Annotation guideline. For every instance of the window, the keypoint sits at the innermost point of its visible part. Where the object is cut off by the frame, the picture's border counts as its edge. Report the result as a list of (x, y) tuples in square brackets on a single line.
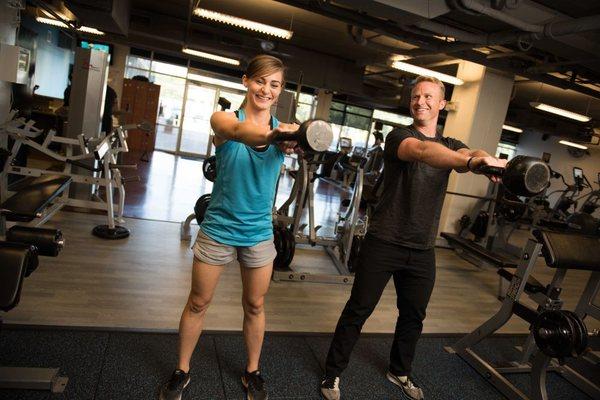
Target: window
[(131, 72), (391, 117), (169, 69), (351, 122), (305, 109), (505, 148), (138, 62)]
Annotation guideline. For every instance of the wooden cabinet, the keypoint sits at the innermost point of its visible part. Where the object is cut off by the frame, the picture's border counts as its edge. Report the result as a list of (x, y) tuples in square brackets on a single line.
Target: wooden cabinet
[(140, 103)]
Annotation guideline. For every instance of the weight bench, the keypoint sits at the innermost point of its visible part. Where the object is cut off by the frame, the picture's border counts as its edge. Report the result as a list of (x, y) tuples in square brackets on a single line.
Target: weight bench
[(477, 251), (18, 259), (31, 200), (562, 251)]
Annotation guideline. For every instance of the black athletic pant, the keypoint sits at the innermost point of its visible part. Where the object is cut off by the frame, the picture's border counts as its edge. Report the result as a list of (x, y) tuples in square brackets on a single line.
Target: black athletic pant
[(414, 276)]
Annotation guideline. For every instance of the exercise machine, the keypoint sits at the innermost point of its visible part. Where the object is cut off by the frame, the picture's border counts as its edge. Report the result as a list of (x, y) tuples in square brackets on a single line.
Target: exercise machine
[(556, 334), (582, 220), (524, 177), (18, 260), (96, 155), (342, 247)]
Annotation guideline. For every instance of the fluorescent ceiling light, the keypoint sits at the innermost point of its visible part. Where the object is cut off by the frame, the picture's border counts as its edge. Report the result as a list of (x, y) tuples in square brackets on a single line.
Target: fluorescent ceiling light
[(567, 143), (446, 38), (512, 128), (413, 69), (560, 111), (91, 30), (211, 56), (243, 23), (215, 81), (60, 24)]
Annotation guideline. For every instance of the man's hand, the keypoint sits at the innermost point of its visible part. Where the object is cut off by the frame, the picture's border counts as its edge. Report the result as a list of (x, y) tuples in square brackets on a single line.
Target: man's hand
[(477, 162), (287, 146)]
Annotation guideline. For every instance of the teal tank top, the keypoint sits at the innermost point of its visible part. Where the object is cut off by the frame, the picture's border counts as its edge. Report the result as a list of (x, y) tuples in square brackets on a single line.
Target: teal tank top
[(240, 209)]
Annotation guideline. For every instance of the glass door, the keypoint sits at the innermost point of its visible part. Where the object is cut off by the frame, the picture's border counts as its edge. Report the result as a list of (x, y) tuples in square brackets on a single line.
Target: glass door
[(235, 98), (169, 111), (199, 106)]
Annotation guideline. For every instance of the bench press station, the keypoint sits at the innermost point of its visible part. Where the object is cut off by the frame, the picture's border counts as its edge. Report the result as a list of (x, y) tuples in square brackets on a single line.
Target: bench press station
[(556, 334)]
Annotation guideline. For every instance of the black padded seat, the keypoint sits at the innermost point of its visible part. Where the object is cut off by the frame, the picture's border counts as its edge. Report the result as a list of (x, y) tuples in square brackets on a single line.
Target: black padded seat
[(14, 261), (569, 250), (478, 251), (30, 201)]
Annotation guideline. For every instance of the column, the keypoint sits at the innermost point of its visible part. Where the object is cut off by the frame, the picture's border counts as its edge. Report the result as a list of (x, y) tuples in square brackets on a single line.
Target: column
[(481, 106)]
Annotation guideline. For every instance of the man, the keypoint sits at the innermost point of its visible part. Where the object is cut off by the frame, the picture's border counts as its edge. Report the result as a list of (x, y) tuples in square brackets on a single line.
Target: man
[(401, 237)]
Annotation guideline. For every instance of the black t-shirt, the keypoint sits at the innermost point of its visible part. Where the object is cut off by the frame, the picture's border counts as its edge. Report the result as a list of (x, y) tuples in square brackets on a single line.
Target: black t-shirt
[(408, 213)]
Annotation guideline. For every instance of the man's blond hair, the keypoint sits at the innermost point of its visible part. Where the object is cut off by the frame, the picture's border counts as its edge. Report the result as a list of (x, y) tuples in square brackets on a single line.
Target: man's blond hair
[(423, 78)]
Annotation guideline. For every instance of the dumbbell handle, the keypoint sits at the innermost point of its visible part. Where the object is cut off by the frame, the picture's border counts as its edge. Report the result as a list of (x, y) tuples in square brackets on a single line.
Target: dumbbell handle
[(490, 170), (285, 137)]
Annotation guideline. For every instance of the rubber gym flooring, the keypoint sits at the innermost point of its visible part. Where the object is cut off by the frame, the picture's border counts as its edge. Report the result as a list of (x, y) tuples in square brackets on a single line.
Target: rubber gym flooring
[(130, 365)]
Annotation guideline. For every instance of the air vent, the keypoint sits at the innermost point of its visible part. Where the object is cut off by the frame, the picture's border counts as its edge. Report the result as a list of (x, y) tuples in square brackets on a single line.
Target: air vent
[(106, 15)]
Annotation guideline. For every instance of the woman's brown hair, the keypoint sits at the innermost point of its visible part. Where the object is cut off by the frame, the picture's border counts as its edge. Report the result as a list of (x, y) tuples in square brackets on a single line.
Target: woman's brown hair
[(263, 65)]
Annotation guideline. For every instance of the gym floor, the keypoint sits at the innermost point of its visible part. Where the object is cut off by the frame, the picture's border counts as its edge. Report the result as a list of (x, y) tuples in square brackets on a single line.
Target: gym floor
[(143, 282)]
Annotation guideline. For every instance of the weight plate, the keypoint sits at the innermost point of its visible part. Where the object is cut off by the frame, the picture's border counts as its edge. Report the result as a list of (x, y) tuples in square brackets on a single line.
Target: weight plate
[(581, 342), (291, 246), (201, 207), (209, 168)]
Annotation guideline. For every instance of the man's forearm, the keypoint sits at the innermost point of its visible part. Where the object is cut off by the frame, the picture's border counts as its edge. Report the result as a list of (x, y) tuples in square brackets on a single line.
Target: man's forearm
[(439, 156), (477, 153)]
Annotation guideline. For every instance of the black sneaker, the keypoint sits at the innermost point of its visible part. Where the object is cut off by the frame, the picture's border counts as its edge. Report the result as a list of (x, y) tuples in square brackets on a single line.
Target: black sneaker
[(330, 388), (408, 387), (255, 386), (173, 389)]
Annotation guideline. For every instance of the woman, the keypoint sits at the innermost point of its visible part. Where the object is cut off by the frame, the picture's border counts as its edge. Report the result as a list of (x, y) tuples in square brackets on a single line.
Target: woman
[(238, 222)]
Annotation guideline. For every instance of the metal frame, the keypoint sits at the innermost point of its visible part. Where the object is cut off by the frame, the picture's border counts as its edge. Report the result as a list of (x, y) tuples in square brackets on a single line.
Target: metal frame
[(103, 152), (338, 246), (533, 361), (32, 378)]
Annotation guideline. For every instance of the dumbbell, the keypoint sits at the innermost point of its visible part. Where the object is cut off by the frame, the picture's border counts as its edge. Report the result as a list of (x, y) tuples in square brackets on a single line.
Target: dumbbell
[(314, 135), (522, 176)]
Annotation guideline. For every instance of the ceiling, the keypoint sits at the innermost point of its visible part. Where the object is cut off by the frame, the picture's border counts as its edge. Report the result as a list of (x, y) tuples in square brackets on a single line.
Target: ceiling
[(552, 47)]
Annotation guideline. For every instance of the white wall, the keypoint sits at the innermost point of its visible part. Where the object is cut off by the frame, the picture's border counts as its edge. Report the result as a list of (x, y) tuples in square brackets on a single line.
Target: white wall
[(531, 143), (8, 29)]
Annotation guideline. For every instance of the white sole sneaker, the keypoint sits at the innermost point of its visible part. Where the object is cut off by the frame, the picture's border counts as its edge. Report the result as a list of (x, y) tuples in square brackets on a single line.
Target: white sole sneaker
[(413, 393)]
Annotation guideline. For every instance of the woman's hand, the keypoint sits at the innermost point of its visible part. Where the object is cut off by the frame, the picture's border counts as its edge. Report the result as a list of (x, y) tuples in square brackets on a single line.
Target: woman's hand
[(286, 146)]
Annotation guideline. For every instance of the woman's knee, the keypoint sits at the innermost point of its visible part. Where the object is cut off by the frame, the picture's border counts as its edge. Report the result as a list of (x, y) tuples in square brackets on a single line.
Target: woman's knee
[(254, 306), (198, 304)]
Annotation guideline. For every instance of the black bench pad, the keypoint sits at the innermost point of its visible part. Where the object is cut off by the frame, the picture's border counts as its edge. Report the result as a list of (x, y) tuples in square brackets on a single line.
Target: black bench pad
[(478, 251), (30, 201), (14, 261), (570, 250)]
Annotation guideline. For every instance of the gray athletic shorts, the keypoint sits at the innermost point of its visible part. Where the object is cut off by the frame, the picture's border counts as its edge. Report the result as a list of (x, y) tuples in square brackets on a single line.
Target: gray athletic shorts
[(211, 252)]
